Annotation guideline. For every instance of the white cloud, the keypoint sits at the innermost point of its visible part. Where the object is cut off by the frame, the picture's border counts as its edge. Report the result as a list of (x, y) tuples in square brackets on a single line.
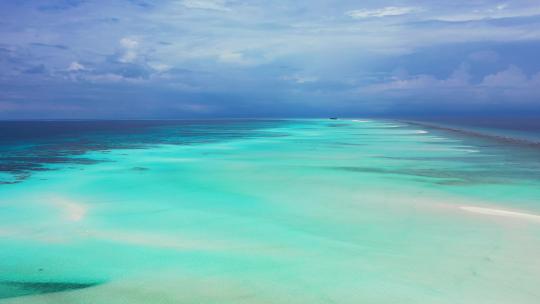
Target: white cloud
[(300, 79), (381, 12), (410, 83), (112, 78), (495, 12), (230, 56), (128, 56), (511, 77), (75, 66), (160, 67), (234, 57), (510, 84), (459, 78), (501, 6), (130, 45), (215, 5)]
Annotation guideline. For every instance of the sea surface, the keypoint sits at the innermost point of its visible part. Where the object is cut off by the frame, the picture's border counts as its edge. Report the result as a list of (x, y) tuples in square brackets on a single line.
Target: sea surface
[(268, 211)]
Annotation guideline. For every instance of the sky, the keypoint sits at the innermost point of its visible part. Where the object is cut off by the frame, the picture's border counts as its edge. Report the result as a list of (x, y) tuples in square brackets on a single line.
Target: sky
[(221, 58)]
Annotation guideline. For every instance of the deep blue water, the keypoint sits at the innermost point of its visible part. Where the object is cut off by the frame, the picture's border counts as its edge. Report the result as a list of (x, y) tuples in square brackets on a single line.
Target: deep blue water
[(27, 146)]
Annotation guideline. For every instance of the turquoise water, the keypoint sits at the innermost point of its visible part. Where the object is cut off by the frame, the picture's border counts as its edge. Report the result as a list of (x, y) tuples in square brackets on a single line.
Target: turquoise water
[(291, 211)]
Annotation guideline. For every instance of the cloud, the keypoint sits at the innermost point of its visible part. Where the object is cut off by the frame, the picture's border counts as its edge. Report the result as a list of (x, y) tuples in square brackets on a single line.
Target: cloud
[(231, 56), (129, 53), (236, 58), (300, 79), (111, 78), (129, 43), (214, 5), (510, 86), (381, 12), (499, 11), (258, 52), (75, 66), (458, 78), (160, 67), (501, 6), (511, 77), (128, 56)]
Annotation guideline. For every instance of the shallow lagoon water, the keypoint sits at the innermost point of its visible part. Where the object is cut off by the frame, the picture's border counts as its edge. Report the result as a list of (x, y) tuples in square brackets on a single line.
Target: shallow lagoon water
[(291, 211)]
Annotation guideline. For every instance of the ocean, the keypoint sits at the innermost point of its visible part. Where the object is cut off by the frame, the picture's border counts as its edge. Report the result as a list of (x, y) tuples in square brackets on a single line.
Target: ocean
[(269, 211)]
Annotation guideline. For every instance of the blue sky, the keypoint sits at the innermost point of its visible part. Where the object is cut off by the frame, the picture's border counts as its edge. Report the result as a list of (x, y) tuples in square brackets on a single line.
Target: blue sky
[(219, 58)]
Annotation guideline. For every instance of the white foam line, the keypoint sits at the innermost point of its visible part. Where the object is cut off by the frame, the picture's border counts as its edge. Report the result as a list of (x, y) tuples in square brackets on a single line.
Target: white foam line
[(361, 120), (500, 212)]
